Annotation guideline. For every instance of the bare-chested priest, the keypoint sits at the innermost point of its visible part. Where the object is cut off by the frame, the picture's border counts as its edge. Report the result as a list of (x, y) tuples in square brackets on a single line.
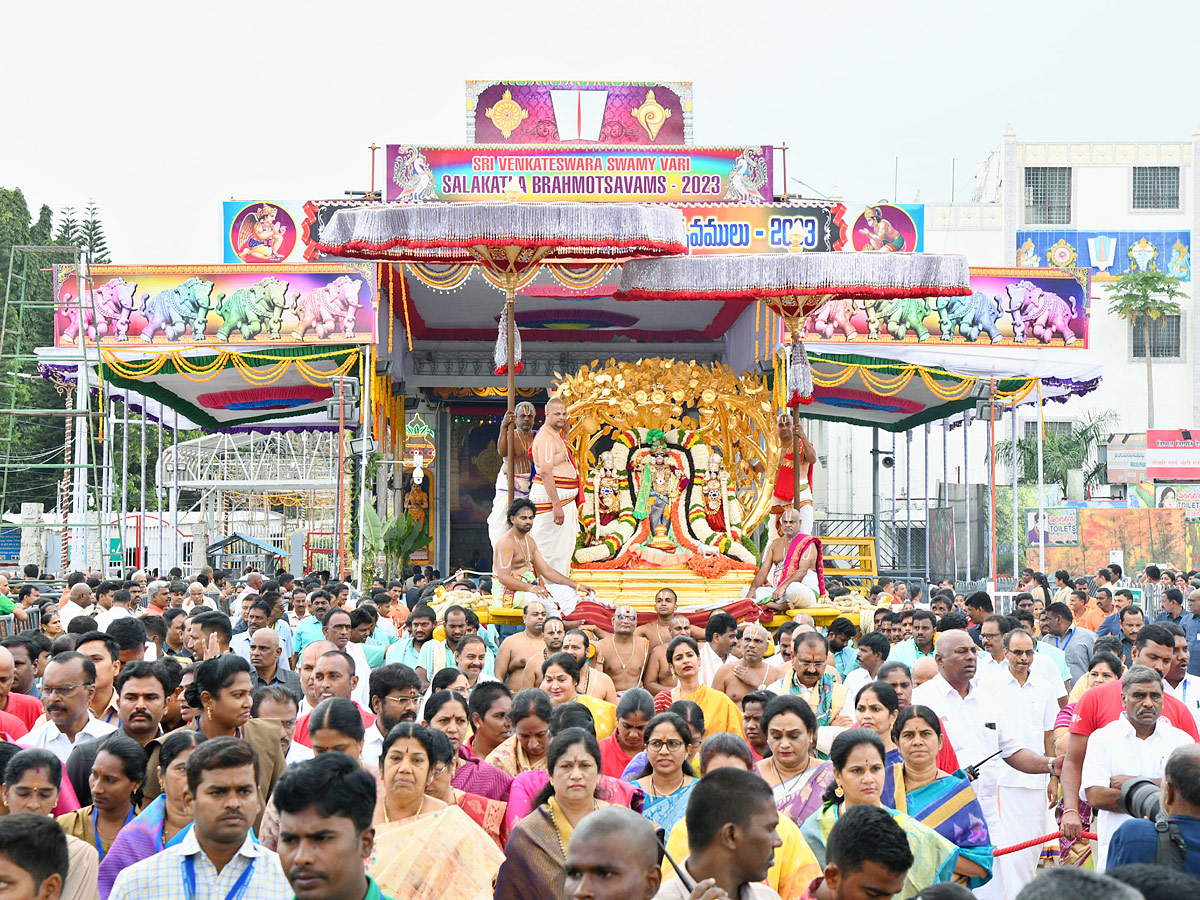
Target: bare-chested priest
[(555, 489), (740, 677), (522, 439), (524, 650), (623, 654), (786, 581), (659, 677), (658, 632), (523, 574)]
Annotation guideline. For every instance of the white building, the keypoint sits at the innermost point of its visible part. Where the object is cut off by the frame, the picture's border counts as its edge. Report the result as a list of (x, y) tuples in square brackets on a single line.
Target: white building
[(1029, 197)]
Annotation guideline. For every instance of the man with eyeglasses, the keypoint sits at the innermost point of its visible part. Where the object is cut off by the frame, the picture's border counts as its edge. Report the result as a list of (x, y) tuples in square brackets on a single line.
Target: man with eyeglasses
[(67, 688), (337, 630), (1028, 709), (395, 695)]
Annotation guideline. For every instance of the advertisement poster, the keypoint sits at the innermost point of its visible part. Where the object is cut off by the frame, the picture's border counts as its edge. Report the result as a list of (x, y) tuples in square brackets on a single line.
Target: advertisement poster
[(1172, 454), (610, 112), (1126, 458), (890, 228), (1179, 496), (1053, 526), (557, 172), (263, 231), (1159, 536), (1107, 254), (239, 304), (1006, 308)]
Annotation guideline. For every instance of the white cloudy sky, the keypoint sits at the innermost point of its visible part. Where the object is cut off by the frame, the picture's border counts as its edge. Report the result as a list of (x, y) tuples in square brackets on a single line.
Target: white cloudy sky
[(161, 110)]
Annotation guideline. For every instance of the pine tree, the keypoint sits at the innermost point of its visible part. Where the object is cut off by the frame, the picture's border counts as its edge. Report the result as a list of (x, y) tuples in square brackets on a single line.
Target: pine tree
[(92, 236), (68, 229)]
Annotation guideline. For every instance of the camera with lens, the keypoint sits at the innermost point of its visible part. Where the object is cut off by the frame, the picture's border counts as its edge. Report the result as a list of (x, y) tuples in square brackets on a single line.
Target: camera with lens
[(1141, 798)]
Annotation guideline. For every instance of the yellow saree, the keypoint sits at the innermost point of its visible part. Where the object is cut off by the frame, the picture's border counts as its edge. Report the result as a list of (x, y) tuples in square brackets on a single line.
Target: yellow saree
[(439, 856)]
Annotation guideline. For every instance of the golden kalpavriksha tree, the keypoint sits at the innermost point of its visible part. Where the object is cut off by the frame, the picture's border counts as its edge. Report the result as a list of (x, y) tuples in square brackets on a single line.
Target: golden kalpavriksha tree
[(678, 461)]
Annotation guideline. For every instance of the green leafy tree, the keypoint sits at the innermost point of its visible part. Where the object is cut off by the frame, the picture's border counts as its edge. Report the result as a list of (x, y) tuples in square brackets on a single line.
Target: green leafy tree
[(68, 229), (91, 233), (1145, 296), (1062, 452)]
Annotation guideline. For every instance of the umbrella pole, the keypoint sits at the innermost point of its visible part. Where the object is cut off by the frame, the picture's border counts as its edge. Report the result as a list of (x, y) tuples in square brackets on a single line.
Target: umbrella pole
[(510, 297)]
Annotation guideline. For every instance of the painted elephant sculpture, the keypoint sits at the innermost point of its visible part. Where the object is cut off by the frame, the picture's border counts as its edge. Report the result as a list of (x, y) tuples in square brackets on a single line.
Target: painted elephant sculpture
[(249, 310), (835, 316), (1038, 311), (327, 308), (176, 309), (969, 316), (903, 314), (107, 309)]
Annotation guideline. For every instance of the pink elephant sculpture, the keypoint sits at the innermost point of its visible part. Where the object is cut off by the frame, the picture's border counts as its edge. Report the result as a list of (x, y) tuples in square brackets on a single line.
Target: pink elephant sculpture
[(1040, 312), (103, 310), (835, 316), (327, 308)]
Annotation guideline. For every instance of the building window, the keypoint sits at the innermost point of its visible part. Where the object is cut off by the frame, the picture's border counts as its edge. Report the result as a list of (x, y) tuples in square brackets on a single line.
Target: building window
[(1047, 195), (1165, 338), (1156, 187), (1053, 427)]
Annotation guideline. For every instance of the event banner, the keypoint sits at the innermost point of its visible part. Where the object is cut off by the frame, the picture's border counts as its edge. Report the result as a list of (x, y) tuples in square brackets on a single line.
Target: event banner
[(1056, 526), (1006, 308), (263, 231), (1151, 495), (1107, 254), (557, 172), (1172, 454), (889, 227), (612, 112), (236, 304), (814, 225)]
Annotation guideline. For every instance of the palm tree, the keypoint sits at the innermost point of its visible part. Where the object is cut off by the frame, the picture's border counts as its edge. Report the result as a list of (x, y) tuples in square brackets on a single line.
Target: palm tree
[(1062, 451), (1145, 295)]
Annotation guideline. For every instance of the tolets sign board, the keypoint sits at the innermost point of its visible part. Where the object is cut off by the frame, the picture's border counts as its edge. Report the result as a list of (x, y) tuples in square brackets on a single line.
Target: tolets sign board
[(612, 174)]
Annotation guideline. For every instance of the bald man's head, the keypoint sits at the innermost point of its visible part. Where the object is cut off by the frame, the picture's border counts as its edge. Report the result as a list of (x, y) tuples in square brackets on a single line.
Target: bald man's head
[(924, 669), (308, 662), (613, 855)]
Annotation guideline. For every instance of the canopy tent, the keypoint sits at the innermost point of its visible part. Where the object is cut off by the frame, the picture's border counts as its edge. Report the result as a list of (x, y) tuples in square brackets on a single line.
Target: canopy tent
[(900, 387), (239, 550)]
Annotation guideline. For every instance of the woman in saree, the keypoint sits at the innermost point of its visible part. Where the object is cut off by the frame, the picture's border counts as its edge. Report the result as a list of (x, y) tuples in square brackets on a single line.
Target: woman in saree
[(560, 680), (946, 802), (720, 713), (794, 866), (424, 847), (31, 785), (1102, 667), (525, 748), (449, 713), (857, 757), (164, 822), (797, 778), (536, 850), (116, 784), (668, 776), (694, 716), (876, 706), (488, 814)]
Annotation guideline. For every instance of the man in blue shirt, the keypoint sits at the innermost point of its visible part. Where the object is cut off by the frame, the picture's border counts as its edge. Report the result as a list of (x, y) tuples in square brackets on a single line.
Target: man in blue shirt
[(845, 656), (1172, 605), (1191, 627), (1112, 621), (1136, 841)]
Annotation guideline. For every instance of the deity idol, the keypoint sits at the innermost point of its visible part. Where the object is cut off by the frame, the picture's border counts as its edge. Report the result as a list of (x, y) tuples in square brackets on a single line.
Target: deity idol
[(659, 490), (261, 237)]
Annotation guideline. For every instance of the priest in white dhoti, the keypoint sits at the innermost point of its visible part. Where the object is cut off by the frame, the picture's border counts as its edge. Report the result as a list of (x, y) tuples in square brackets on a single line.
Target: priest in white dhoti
[(795, 577), (523, 574), (522, 438), (555, 490)]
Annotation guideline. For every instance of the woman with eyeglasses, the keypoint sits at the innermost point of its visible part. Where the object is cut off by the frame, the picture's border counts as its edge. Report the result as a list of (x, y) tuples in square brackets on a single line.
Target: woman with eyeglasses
[(487, 813), (449, 713), (536, 850), (164, 822), (945, 801), (31, 785), (525, 749), (668, 777), (858, 766), (116, 785), (560, 679), (423, 846)]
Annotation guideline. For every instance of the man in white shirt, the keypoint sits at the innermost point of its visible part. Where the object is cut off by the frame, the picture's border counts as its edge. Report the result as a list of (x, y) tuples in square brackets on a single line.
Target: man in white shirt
[(118, 609), (218, 858), (1179, 683), (873, 650), (78, 604), (992, 632), (720, 634), (256, 617), (976, 730), (67, 688), (1028, 709), (1134, 746), (337, 631), (395, 696)]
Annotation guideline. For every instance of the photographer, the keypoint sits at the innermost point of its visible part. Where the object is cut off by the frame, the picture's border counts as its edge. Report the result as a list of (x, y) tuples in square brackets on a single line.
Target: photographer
[(1136, 841), (1134, 746)]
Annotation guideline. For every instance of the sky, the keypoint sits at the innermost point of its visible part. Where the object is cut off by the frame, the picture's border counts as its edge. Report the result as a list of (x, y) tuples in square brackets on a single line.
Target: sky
[(159, 111)]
